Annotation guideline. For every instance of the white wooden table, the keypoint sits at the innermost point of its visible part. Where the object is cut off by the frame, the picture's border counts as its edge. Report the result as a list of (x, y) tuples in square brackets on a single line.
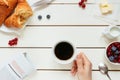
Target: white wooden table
[(68, 22)]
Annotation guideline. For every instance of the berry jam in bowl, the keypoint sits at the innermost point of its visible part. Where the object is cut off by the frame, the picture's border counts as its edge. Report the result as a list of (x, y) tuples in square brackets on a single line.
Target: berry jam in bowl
[(113, 53)]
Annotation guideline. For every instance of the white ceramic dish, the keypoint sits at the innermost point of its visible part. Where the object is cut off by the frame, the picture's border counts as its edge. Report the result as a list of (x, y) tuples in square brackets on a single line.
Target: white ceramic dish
[(12, 30), (106, 57)]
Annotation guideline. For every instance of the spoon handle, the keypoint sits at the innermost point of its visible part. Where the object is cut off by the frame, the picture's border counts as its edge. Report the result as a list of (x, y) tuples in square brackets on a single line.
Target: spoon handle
[(108, 76)]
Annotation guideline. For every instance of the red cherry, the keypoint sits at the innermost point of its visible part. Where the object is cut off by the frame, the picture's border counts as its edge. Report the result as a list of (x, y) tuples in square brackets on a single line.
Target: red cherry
[(13, 42), (116, 43), (119, 57), (83, 6), (111, 46), (16, 39), (10, 44), (108, 53), (80, 3), (85, 0), (115, 61), (118, 47), (118, 60)]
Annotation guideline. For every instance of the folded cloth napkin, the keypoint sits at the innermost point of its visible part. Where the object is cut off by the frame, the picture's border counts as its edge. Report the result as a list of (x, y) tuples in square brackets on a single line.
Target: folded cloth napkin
[(17, 67)]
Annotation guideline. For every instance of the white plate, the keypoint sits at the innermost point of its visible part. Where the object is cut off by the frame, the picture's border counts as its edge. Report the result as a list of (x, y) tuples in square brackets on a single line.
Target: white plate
[(13, 30)]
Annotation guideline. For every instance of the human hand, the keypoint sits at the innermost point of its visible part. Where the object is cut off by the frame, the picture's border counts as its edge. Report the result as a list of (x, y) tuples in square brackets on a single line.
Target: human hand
[(82, 67)]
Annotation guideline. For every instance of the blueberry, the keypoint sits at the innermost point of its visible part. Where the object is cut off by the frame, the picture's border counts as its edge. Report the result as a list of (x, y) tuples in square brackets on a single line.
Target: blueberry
[(117, 52), (48, 16), (111, 58), (114, 48), (39, 17)]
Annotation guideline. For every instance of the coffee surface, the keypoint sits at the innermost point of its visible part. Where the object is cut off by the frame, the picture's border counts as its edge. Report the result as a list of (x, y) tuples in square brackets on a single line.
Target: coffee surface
[(64, 50)]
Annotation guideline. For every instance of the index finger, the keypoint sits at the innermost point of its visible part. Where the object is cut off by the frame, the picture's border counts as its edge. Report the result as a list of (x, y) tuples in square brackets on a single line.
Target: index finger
[(79, 61), (85, 59)]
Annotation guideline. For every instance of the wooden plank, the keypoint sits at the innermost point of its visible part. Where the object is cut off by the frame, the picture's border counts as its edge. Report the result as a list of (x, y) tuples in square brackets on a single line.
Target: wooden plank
[(85, 36), (47, 62), (76, 1), (65, 75), (109, 1), (63, 1), (43, 59), (72, 15)]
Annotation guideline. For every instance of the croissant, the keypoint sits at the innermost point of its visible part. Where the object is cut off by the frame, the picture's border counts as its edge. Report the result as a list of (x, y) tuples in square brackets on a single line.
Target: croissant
[(6, 8), (22, 12)]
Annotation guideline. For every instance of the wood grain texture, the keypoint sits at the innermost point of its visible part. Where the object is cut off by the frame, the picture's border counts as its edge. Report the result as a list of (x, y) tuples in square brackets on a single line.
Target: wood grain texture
[(43, 59), (65, 75), (48, 36), (73, 15), (76, 1)]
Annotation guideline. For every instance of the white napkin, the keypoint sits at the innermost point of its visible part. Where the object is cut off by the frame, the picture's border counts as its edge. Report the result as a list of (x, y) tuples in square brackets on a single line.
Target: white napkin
[(42, 3), (17, 67)]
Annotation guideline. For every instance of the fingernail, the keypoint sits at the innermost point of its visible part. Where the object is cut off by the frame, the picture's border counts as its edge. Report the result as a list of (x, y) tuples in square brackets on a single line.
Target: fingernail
[(78, 56)]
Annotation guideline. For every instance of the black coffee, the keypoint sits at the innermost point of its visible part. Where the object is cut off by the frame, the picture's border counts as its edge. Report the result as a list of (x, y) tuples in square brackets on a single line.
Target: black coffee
[(64, 50)]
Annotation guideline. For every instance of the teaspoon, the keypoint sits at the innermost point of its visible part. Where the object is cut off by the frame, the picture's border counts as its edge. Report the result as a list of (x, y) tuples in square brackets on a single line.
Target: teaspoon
[(104, 69)]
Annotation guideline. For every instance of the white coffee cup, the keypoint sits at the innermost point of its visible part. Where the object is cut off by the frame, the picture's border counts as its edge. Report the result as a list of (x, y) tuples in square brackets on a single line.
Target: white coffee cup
[(64, 52)]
